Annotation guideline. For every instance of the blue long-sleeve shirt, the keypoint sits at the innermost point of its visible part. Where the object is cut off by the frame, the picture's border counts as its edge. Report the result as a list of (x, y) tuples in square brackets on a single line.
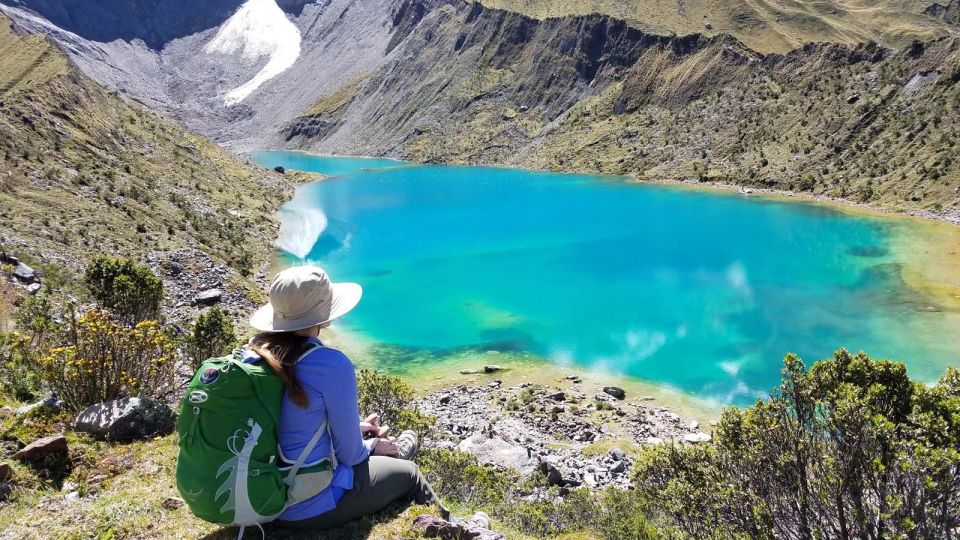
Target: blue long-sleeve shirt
[(330, 382)]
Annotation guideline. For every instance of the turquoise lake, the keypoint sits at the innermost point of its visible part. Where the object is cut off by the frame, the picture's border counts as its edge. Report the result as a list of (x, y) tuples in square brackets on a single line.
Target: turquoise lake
[(699, 291)]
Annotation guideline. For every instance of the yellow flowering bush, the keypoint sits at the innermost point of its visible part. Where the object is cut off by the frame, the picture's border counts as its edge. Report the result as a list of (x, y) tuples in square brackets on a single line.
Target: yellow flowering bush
[(101, 360)]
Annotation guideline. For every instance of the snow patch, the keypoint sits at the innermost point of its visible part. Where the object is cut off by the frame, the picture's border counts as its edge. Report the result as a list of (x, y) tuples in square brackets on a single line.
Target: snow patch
[(258, 29)]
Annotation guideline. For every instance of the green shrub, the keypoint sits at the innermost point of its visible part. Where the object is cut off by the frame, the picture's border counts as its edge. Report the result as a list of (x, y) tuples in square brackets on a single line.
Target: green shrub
[(17, 379), (390, 397), (212, 335), (850, 448), (128, 290), (101, 360)]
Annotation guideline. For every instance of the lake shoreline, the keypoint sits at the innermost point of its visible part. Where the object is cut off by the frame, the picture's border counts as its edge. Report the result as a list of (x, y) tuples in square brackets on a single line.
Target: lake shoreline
[(797, 196)]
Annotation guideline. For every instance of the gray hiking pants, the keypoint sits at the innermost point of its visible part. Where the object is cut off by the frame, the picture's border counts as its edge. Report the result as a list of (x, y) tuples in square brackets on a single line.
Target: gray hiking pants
[(377, 483)]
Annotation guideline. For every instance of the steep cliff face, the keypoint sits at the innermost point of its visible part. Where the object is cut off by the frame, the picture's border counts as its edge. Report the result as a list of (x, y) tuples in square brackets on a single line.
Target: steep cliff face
[(592, 94)]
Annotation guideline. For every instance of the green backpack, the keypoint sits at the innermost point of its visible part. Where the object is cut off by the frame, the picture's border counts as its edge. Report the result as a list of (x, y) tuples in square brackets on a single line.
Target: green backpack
[(228, 469)]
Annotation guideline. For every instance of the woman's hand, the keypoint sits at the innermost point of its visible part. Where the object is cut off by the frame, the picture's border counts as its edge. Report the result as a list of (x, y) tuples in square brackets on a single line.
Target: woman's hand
[(386, 447), (370, 427)]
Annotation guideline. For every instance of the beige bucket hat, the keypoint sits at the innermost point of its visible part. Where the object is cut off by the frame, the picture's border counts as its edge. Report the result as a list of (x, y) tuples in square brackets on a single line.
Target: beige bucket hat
[(303, 297)]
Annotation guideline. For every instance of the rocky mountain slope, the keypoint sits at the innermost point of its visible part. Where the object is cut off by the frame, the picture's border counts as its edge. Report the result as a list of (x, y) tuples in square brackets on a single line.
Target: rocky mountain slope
[(593, 94), (85, 172), (284, 55), (457, 81)]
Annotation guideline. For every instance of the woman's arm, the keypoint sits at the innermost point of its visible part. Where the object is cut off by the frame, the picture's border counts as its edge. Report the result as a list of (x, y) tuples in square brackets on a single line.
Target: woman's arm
[(343, 414)]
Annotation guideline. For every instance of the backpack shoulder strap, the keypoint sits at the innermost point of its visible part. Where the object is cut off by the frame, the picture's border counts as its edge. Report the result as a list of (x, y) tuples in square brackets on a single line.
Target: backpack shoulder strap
[(312, 443)]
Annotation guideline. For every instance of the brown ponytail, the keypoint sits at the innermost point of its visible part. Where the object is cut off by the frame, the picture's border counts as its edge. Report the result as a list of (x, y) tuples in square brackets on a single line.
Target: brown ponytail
[(280, 350)]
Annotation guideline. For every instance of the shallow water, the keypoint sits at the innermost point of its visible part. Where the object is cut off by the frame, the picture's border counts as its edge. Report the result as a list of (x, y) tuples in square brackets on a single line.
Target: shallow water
[(702, 292)]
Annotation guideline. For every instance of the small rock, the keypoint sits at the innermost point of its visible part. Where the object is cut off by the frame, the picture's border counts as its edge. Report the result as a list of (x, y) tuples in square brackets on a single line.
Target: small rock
[(654, 440), (853, 98), (616, 392), (618, 454), (554, 478), (694, 438), (41, 448), (694, 425), (618, 468), (280, 169), (34, 288), (6, 472), (126, 419), (493, 368), (434, 527), (557, 396), (25, 273), (445, 398), (468, 372), (50, 404), (172, 503), (208, 297)]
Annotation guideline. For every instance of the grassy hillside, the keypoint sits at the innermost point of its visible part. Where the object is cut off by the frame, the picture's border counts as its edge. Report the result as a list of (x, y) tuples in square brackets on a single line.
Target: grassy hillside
[(763, 25), (83, 172)]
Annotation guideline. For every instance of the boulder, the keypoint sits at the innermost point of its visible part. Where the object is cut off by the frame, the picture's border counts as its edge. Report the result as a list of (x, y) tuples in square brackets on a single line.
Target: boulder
[(208, 297), (42, 448), (615, 391), (34, 288), (24, 273), (853, 98), (126, 419), (557, 396), (279, 169), (498, 452), (492, 368)]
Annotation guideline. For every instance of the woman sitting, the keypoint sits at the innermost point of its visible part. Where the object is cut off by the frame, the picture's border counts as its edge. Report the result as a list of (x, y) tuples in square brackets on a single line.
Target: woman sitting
[(321, 386)]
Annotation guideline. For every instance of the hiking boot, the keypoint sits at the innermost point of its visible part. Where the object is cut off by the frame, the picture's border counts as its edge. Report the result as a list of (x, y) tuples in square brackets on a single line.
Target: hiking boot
[(407, 445)]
